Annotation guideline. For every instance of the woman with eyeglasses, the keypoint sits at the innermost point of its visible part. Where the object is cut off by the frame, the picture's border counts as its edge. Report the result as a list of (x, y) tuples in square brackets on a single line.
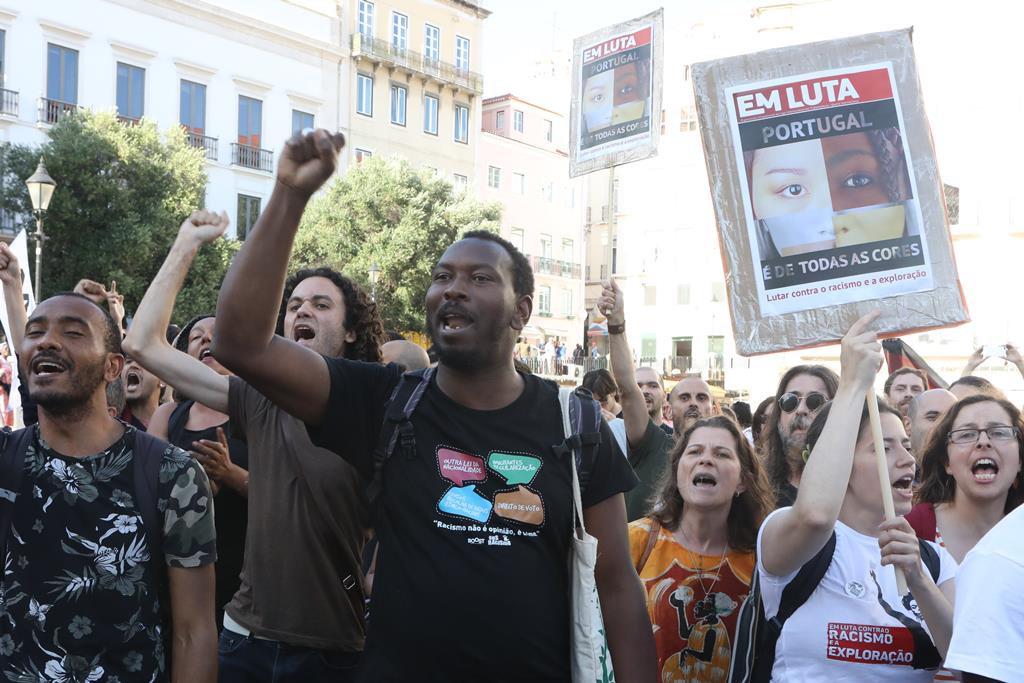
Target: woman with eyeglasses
[(855, 626), (971, 473)]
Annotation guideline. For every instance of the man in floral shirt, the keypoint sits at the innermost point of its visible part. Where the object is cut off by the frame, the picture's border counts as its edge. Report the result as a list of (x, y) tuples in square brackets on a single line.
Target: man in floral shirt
[(81, 597)]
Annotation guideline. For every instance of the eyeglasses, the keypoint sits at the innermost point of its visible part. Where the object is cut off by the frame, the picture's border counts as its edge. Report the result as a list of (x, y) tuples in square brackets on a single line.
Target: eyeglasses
[(970, 435), (790, 402)]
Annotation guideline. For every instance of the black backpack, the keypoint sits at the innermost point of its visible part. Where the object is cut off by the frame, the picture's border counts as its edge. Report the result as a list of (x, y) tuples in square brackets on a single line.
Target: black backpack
[(753, 653), (397, 433), (147, 453)]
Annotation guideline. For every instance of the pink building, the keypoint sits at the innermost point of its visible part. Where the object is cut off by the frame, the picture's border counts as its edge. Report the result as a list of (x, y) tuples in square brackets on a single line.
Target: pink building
[(522, 152)]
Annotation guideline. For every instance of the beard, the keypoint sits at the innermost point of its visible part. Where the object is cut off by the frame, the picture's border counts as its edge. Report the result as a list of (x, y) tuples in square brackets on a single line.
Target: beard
[(492, 340), (84, 382), (681, 423)]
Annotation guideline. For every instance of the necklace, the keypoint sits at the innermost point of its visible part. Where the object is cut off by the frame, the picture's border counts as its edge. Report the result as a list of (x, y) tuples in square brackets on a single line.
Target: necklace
[(701, 569)]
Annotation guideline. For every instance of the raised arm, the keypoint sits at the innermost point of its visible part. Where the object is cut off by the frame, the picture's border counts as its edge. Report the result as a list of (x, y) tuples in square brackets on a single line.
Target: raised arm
[(10, 276), (147, 340), (634, 408), (293, 377), (793, 537)]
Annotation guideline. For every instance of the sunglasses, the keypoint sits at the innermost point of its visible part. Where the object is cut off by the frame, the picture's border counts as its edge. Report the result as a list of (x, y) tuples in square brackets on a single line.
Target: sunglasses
[(813, 401)]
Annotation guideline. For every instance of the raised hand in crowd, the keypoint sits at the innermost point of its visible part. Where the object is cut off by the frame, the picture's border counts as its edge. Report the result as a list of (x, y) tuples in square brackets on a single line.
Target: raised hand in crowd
[(10, 277), (215, 458), (93, 290), (101, 296), (115, 303), (308, 160)]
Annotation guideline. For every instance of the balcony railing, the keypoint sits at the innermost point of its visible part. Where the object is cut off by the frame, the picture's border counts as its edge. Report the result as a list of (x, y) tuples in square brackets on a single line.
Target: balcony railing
[(252, 157), (129, 120), (384, 52), (203, 142), (8, 102), (51, 111), (550, 266)]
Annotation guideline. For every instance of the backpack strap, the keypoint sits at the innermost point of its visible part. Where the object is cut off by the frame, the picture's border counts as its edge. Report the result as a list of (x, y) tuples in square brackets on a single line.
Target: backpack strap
[(177, 420), (652, 539), (148, 456), (930, 557), (13, 446), (794, 595), (396, 430), (582, 430)]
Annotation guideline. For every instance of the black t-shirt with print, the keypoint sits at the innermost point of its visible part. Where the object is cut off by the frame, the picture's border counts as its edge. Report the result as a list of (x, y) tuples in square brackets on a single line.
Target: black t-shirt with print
[(79, 594), (472, 576)]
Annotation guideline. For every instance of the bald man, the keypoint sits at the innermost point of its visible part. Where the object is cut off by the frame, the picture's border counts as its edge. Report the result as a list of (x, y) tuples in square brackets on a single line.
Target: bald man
[(404, 353), (924, 411), (691, 400)]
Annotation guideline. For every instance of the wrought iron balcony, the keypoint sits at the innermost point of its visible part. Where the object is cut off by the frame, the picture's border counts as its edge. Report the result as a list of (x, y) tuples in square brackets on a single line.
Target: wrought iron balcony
[(550, 266), (51, 111), (8, 102), (204, 142), (382, 52), (252, 157), (129, 120)]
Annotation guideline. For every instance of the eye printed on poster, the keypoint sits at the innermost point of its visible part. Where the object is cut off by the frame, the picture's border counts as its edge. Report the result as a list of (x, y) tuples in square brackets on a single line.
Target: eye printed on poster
[(616, 94), (826, 192)]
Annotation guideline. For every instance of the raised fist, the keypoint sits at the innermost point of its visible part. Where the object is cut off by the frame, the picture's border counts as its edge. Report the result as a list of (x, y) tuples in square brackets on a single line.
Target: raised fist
[(93, 290), (308, 160), (203, 226), (10, 270)]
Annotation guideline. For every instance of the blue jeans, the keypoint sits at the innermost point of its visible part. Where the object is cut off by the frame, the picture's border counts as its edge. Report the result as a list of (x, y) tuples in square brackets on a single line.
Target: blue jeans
[(244, 659)]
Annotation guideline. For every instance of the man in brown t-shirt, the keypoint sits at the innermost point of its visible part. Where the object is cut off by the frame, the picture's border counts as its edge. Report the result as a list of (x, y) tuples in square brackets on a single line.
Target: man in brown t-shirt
[(298, 615)]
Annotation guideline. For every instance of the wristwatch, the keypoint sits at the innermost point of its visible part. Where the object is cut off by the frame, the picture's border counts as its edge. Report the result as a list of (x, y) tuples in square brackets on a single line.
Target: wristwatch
[(617, 329)]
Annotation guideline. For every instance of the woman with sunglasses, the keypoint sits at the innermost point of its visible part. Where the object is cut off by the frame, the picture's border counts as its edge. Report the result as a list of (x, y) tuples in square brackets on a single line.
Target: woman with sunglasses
[(971, 473), (694, 552), (855, 626)]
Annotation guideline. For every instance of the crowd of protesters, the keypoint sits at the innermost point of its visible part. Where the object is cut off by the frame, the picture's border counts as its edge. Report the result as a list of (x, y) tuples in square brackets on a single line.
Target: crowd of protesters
[(280, 490)]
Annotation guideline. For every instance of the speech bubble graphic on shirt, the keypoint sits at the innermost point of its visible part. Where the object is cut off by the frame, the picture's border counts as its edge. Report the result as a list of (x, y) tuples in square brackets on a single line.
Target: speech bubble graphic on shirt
[(466, 502), (458, 468), (522, 505), (516, 469)]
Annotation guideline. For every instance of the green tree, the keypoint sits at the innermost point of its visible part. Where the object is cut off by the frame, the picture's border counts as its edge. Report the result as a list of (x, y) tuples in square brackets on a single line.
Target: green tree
[(385, 211), (122, 191)]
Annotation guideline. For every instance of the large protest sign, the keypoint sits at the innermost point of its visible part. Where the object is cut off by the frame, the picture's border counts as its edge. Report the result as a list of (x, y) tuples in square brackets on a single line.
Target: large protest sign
[(826, 192), (616, 94)]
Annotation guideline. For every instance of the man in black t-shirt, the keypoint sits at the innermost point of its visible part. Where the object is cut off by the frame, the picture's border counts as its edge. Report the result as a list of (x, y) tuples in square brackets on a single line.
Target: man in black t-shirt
[(472, 579)]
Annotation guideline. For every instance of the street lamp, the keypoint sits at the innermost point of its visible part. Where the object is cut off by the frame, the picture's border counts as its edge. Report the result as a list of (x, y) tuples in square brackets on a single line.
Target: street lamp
[(374, 275), (40, 191)]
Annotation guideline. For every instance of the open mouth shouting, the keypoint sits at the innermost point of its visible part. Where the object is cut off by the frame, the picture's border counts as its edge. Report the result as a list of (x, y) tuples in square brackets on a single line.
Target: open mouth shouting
[(453, 320), (47, 367), (984, 470), (704, 480), (904, 486), (206, 356), (132, 380), (303, 332)]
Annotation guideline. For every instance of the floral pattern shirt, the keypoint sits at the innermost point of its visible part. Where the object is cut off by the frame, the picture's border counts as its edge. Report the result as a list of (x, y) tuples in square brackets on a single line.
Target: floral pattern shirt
[(80, 600)]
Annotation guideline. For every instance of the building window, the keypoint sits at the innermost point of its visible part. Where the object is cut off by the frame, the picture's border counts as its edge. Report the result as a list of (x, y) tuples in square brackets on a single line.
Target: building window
[(952, 196), (589, 215), (683, 295), (399, 97), (566, 302), (192, 113), (462, 53), (517, 121), (364, 94), (430, 105), (461, 182), (544, 300), (604, 213), (688, 118), (499, 120), (549, 130), (494, 177), (662, 121), (250, 121), (604, 271), (717, 292), (248, 212), (366, 18), (650, 295), (548, 191), (567, 250), (61, 74), (545, 246), (518, 239), (3, 53), (362, 154), (431, 43), (301, 121), (520, 183), (399, 32), (461, 123)]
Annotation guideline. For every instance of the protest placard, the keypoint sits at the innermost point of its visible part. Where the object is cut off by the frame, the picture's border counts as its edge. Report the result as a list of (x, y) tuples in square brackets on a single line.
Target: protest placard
[(826, 192), (616, 94)]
